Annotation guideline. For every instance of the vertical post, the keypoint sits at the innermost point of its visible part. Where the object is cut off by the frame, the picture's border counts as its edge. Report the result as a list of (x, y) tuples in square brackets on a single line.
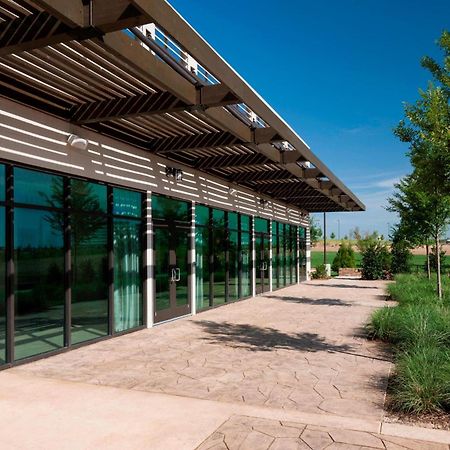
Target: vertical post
[(270, 255), (110, 244), (148, 262), (252, 229), (297, 263), (308, 252), (192, 263), (9, 247), (324, 238)]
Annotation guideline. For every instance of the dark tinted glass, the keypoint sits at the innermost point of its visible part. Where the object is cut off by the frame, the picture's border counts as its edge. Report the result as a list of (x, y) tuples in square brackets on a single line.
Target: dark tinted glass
[(127, 203), (170, 209), (2, 183), (90, 277), (218, 218), (261, 225), (38, 188), (232, 221), (2, 288), (39, 282), (246, 265), (202, 266), (245, 223), (201, 215), (88, 197), (233, 264), (127, 274)]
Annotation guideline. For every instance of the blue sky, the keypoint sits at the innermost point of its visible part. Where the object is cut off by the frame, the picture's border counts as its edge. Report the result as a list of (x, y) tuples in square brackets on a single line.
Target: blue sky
[(349, 65)]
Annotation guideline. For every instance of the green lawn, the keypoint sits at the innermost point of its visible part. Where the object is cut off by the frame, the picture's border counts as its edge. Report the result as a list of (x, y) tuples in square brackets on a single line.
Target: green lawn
[(317, 258)]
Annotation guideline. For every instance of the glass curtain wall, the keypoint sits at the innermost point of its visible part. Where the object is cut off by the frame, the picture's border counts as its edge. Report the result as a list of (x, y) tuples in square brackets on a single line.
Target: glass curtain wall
[(302, 252), (223, 256), (58, 226), (89, 248), (127, 246), (2, 266), (38, 263), (284, 254)]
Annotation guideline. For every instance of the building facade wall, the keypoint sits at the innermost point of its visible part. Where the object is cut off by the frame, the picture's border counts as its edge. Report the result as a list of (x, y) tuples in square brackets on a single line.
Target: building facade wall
[(35, 140)]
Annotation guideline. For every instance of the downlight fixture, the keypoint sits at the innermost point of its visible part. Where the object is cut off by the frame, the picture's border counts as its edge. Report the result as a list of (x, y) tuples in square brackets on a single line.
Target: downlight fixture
[(173, 172), (77, 142)]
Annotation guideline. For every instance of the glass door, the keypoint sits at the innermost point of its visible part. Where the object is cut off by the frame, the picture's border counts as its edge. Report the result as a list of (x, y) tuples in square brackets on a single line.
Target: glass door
[(171, 248), (262, 243)]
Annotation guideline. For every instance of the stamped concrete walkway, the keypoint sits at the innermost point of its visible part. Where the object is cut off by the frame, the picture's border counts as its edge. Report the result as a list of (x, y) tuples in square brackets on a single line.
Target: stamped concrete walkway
[(290, 369)]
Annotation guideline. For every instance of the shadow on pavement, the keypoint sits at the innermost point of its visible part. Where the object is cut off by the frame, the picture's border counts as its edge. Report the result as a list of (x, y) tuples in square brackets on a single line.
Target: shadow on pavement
[(311, 301), (344, 286), (255, 338)]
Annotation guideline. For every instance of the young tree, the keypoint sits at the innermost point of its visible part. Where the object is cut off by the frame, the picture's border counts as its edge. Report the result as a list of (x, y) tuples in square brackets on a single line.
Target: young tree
[(426, 129), (315, 231), (332, 236)]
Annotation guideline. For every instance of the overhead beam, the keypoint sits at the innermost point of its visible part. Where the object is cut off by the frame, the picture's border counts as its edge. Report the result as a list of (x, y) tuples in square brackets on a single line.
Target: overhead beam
[(195, 141), (127, 107), (266, 135), (262, 176), (66, 20), (237, 160), (149, 104)]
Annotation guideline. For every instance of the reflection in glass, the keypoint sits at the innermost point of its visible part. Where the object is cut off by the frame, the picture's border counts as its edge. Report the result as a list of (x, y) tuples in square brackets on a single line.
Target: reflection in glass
[(127, 274), (274, 255), (2, 285), (127, 203), (38, 188), (89, 261), (202, 266), (39, 283), (233, 265), (162, 269), (219, 259), (246, 265)]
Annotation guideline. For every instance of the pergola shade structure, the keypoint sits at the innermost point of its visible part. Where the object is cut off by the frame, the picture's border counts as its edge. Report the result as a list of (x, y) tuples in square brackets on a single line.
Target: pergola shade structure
[(161, 88)]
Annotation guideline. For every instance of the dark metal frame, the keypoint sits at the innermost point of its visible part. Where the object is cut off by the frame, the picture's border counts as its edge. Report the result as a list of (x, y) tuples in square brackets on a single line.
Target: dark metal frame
[(10, 206)]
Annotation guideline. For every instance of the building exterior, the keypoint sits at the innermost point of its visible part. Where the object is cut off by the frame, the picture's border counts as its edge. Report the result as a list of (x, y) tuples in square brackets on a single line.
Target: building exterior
[(141, 179)]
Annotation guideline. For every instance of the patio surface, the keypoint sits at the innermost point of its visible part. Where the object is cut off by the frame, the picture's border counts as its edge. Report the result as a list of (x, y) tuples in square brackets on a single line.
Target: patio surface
[(233, 375)]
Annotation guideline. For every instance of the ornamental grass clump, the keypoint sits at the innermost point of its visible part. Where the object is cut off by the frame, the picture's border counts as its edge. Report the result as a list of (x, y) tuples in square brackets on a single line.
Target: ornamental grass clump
[(419, 329)]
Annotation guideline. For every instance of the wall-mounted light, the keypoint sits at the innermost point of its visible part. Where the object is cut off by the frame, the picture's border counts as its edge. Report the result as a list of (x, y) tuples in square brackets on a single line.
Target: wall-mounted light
[(232, 192), (263, 203), (77, 142), (173, 172)]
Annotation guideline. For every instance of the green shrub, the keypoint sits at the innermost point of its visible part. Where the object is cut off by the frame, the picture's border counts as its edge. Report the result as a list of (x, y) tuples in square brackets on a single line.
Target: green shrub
[(401, 257), (320, 273), (422, 381), (376, 260), (345, 257), (433, 260)]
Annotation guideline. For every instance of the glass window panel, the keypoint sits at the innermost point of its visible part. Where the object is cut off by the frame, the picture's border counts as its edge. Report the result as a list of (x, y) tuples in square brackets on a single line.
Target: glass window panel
[(218, 218), (38, 188), (219, 264), (274, 255), (302, 232), (245, 222), (127, 203), (261, 225), (128, 308), (202, 266), (2, 288), (167, 208), (2, 183), (246, 265), (233, 264), (201, 215), (88, 197), (232, 221), (39, 282), (90, 277), (162, 244)]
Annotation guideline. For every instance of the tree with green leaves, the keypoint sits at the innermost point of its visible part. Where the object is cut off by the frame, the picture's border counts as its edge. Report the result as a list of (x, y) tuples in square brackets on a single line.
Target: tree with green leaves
[(426, 129), (315, 232), (332, 236)]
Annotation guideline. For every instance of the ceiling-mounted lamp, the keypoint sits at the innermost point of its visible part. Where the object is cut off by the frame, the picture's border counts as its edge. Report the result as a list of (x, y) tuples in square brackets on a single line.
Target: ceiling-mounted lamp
[(263, 203), (77, 142), (173, 172)]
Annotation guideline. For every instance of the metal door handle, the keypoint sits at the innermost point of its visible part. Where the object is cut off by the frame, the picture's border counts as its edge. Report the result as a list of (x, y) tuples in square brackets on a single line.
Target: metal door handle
[(177, 274), (174, 275)]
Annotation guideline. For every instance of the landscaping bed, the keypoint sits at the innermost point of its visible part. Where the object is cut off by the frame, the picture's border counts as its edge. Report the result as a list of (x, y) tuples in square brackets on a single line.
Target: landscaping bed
[(419, 330)]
